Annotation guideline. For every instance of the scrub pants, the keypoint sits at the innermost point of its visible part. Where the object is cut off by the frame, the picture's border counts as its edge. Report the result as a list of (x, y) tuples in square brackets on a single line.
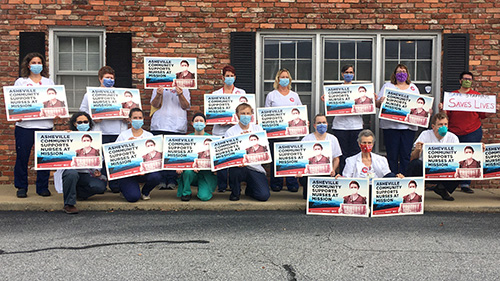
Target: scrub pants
[(257, 185), (205, 180)]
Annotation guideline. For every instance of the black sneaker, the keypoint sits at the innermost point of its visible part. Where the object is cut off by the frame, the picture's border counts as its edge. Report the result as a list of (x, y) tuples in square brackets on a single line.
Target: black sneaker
[(234, 198), (443, 193), (185, 197), (466, 189), (22, 193), (45, 193)]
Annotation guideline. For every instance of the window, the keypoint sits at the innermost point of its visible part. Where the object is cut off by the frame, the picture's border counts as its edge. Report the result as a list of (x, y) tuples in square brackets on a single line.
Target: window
[(338, 53), (76, 57)]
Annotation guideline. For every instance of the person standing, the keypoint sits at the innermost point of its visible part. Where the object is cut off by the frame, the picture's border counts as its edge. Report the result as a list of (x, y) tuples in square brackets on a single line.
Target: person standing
[(398, 137), (170, 119), (34, 72), (229, 77), (282, 96)]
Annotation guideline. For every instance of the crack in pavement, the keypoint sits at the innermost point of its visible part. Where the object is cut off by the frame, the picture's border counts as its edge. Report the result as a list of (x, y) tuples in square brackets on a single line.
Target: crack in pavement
[(292, 276), (2, 252)]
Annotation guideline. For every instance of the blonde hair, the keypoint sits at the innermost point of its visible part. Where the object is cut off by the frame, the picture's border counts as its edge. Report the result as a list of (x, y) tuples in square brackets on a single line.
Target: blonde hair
[(277, 79)]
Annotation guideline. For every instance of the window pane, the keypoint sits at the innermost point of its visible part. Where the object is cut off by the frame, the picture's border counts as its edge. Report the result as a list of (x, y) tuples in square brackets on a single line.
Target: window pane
[(407, 49), (304, 49), (94, 62), (391, 49), (271, 67), (421, 87), (93, 44), (303, 87), (424, 71), (80, 44), (268, 87), (65, 61), (365, 50), (271, 49), (331, 49), (304, 70), (411, 68), (80, 62), (65, 44), (348, 62), (288, 49), (331, 70), (424, 49), (389, 69), (290, 65), (347, 50), (364, 70)]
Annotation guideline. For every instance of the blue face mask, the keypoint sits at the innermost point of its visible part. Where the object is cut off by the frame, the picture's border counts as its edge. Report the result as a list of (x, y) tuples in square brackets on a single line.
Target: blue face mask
[(284, 82), (108, 82), (137, 123), (348, 77), (442, 131), (321, 128), (83, 127), (36, 68), (229, 80), (199, 126), (245, 119)]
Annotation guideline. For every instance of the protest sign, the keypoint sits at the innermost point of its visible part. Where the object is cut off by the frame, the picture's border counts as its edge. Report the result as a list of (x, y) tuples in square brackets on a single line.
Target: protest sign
[(407, 108), (283, 121), (305, 157), (469, 102), (491, 166), (453, 161), (133, 157), (170, 72), (112, 102), (395, 196), (67, 150), (39, 102), (353, 99), (187, 152), (221, 109), (337, 197), (246, 149)]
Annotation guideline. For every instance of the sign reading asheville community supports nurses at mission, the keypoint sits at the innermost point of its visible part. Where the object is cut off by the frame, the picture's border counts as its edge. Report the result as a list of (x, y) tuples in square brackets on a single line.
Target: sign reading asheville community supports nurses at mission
[(112, 102), (283, 121), (67, 150), (338, 197), (306, 158), (406, 108), (394, 196), (133, 157), (187, 152), (353, 99), (246, 149), (221, 109), (491, 167), (453, 161), (39, 102), (170, 72), (469, 102)]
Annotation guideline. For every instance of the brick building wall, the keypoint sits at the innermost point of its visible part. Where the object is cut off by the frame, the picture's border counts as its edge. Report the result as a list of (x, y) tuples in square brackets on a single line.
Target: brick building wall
[(202, 29)]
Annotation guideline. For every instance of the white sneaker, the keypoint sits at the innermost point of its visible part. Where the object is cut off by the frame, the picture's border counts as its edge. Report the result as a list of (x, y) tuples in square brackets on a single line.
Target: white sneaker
[(145, 197)]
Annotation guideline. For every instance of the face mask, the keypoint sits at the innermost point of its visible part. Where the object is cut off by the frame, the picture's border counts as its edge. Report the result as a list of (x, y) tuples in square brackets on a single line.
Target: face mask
[(466, 83), (348, 77), (366, 148), (245, 119), (321, 128), (150, 149), (108, 82), (83, 127), (401, 76), (229, 80), (137, 124), (442, 131), (36, 68), (184, 68), (199, 126), (284, 82)]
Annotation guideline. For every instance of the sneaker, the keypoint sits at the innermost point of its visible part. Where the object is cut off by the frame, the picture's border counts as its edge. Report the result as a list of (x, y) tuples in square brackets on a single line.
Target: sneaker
[(441, 191), (466, 189), (293, 189), (186, 197), (70, 209), (234, 198), (275, 188), (45, 193), (145, 197), (221, 190), (162, 186), (171, 186), (21, 193)]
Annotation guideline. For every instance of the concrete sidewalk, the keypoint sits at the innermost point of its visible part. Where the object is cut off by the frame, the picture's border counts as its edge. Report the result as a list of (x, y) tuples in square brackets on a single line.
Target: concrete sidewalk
[(483, 200)]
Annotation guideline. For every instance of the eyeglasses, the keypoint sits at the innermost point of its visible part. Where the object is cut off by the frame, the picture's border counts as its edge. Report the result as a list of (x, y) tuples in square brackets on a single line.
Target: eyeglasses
[(82, 122)]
